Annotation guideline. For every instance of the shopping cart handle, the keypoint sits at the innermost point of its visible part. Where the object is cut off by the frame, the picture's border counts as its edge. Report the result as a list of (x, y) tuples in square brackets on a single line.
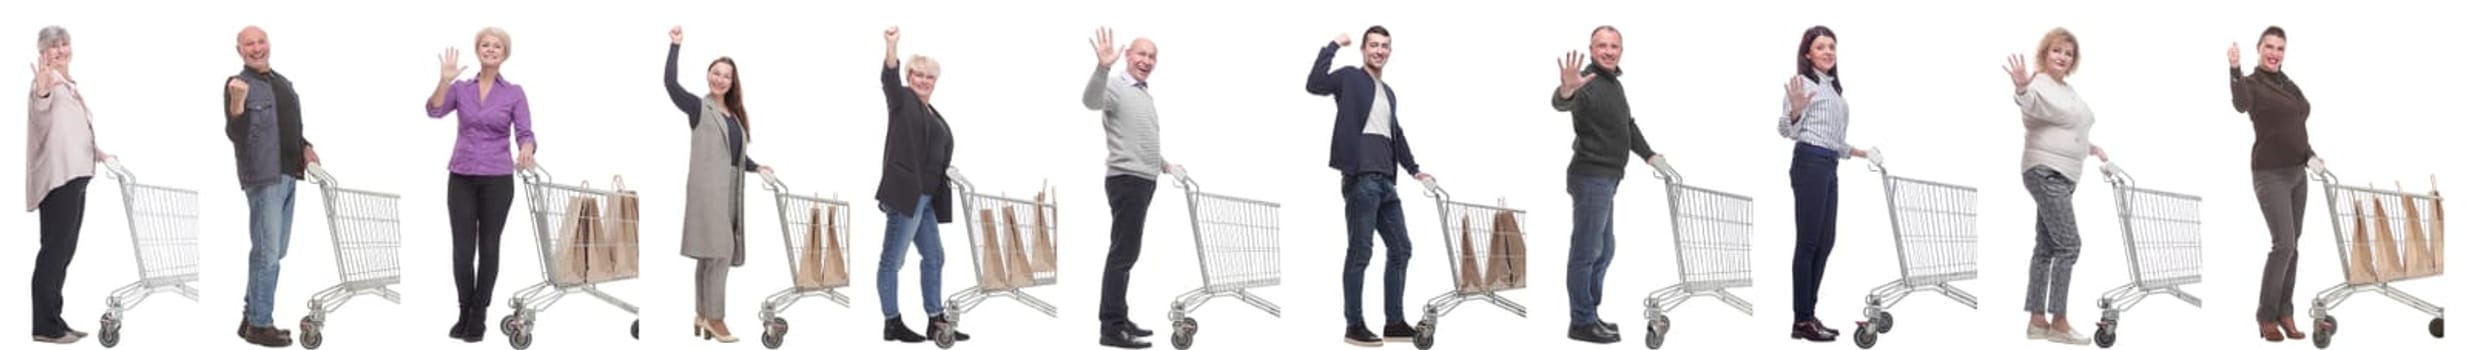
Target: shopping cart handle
[(317, 173), (117, 171), (2319, 171), (2116, 174), (536, 173), (772, 183), (1430, 188), (1182, 179), (1663, 170), (1875, 159)]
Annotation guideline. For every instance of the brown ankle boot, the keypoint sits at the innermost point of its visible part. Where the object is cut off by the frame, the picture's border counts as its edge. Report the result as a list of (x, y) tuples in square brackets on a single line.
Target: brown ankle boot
[(2270, 332), (2294, 330)]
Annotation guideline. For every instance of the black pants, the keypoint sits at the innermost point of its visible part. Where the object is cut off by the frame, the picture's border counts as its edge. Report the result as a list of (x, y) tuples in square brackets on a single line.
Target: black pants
[(64, 213), (478, 205), (1129, 197), (1816, 196)]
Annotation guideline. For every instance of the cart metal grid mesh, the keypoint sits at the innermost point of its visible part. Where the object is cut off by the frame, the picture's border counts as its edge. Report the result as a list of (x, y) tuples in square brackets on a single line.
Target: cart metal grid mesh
[(163, 226), (2163, 232), (1022, 219), (1238, 241), (1713, 232), (796, 216), (2383, 212), (1463, 221), (550, 203), (1935, 227), (368, 236)]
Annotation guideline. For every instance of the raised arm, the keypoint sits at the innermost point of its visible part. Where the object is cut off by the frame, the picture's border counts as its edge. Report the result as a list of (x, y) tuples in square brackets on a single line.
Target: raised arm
[(2035, 107), (1097, 96), (235, 95), (1572, 80), (442, 99), (1322, 82), (894, 94), (685, 101), (1796, 95), (2239, 90)]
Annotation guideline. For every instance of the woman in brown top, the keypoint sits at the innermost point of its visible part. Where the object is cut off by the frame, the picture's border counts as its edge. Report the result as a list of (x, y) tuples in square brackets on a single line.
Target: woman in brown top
[(2280, 154)]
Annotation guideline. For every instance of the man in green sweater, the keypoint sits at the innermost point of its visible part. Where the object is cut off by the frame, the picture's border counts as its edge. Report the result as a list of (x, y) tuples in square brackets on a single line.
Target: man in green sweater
[(1605, 134)]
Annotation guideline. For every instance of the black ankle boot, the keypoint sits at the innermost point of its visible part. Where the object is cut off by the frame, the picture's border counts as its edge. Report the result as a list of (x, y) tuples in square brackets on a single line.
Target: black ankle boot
[(894, 330), (476, 324), (462, 325)]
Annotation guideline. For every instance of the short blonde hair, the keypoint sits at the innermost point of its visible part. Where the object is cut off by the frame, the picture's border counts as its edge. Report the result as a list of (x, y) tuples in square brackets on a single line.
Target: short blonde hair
[(495, 32), (925, 64), (2060, 35)]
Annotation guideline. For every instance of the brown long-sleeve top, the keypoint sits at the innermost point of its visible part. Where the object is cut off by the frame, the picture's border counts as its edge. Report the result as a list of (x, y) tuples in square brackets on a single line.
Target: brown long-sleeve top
[(2279, 112)]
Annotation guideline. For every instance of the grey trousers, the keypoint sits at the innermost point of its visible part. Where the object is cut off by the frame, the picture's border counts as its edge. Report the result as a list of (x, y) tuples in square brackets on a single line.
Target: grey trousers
[(711, 288), (2059, 238), (2281, 194)]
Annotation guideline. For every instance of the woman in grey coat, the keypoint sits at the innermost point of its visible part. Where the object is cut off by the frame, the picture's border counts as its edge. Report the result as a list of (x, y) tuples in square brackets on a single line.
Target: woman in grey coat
[(714, 186)]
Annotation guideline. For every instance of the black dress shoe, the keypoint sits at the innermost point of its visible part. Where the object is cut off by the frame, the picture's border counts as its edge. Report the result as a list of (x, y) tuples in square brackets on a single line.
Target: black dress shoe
[(1612, 327), (894, 330), (1820, 324), (1134, 330), (936, 324), (1811, 331), (1399, 331), (1124, 339), (1361, 336), (1593, 333)]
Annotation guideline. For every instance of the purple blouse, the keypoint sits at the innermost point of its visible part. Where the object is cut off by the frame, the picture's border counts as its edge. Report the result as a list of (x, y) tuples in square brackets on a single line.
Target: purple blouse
[(484, 123)]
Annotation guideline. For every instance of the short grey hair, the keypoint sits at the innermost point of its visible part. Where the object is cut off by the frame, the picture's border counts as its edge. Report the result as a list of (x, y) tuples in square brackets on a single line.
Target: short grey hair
[(495, 32), (50, 36)]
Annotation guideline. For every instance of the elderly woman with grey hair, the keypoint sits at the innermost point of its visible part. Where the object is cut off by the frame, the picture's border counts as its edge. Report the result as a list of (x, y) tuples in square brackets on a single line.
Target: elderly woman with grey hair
[(60, 158)]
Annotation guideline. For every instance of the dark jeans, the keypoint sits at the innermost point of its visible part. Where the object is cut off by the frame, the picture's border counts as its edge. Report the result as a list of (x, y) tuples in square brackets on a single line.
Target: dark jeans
[(2281, 194), (478, 205), (1816, 191), (1129, 197), (1371, 206), (64, 213), (1590, 247)]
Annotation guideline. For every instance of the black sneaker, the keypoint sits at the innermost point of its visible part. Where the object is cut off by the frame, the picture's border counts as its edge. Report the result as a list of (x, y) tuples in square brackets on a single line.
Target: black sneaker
[(1361, 336), (1399, 331)]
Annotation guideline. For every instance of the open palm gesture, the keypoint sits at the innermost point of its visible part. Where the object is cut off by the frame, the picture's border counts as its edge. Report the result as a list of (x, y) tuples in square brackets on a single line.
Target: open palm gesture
[(2235, 56), (1106, 52), (1572, 73), (1799, 95), (449, 64), (2021, 72)]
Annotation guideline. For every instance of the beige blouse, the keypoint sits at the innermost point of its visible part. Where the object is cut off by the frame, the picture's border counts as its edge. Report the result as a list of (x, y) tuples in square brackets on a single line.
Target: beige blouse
[(59, 140)]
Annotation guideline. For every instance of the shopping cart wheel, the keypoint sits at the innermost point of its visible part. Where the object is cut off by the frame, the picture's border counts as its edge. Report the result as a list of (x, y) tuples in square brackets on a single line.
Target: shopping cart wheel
[(1884, 322), (2323, 329), (1423, 337), (1653, 338), (110, 331), (772, 332), (636, 330), (506, 325), (312, 334), (518, 331), (1184, 330), (2106, 336), (1865, 336), (947, 336), (2436, 327)]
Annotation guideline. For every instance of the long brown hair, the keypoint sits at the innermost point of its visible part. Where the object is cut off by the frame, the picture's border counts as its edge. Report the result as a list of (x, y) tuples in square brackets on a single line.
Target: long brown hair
[(734, 100)]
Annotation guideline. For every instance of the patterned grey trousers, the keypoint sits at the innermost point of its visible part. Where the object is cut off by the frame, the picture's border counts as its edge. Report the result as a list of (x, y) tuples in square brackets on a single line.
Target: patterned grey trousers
[(2060, 241)]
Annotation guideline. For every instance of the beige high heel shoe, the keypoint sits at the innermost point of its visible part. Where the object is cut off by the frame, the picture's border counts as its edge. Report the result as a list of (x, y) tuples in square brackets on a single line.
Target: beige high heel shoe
[(703, 328)]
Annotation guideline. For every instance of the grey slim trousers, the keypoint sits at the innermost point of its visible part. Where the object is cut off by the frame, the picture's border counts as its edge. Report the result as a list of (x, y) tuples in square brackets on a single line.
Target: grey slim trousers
[(2059, 241), (2281, 193), (711, 288)]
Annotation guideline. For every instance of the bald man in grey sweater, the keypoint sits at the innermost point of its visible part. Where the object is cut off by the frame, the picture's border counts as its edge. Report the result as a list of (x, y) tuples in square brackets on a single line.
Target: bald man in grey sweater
[(1132, 161)]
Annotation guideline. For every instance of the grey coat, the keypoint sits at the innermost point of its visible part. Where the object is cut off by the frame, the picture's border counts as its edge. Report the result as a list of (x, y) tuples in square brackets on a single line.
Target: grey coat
[(714, 191)]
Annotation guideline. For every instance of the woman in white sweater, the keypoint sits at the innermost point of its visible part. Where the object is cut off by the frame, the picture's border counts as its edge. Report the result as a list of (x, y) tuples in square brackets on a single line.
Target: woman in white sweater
[(2056, 139), (60, 157)]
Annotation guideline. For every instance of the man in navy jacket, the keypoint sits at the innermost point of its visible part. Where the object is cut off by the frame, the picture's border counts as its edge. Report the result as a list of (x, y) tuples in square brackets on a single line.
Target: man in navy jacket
[(1367, 146)]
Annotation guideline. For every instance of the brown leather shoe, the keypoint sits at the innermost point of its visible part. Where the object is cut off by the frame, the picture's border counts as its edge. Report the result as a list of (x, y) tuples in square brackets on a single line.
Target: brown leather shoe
[(2293, 329), (2270, 332), (265, 336)]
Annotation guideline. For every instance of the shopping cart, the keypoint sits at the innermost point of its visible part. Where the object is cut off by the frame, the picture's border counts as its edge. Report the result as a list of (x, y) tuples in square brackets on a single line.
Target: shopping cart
[(2347, 207), (162, 226), (972, 201), (1238, 244), (1711, 231), (1455, 224), (794, 221), (1936, 231), (368, 238), (2162, 238), (548, 201)]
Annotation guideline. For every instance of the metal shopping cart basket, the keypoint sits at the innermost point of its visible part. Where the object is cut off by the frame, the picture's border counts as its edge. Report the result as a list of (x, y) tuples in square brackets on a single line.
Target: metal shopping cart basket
[(972, 201), (1936, 231), (162, 226), (1712, 231), (1238, 247), (1470, 246), (368, 238), (796, 219), (2162, 240), (2388, 209), (549, 211)]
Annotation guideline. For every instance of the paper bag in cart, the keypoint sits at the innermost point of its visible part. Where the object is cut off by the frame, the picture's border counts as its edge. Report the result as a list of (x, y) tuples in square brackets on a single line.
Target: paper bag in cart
[(2386, 253), (2419, 253), (1468, 273), (990, 274), (2439, 225), (1507, 253), (1017, 255), (574, 234), (616, 251), (834, 256), (809, 260), (1045, 259), (2359, 250)]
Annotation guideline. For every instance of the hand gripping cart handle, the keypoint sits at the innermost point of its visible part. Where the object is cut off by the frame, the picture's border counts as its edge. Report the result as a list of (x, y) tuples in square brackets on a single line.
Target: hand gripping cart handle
[(556, 210), (162, 224), (1712, 232), (367, 231), (1238, 245)]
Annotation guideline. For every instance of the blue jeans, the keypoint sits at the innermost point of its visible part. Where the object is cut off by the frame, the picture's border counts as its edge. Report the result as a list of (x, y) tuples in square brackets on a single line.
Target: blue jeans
[(269, 238), (1590, 247), (923, 231), (1371, 206)]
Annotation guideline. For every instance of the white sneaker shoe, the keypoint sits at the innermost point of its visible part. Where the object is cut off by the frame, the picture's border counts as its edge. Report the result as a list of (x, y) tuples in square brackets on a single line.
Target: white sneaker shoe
[(2068, 338), (2038, 332), (70, 338)]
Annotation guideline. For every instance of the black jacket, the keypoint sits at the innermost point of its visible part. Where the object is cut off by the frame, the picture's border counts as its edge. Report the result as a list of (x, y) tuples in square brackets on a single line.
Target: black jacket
[(916, 150), (1353, 88)]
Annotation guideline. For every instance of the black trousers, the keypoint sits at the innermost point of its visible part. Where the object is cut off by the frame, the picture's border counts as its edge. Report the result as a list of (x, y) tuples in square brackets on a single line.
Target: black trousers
[(64, 213), (1129, 197), (478, 205)]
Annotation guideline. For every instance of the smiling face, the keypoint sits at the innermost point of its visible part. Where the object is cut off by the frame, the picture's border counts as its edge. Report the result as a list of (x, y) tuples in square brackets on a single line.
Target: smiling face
[(57, 54), (2273, 51), (1142, 56), (1607, 46), (492, 51), (1375, 49), (2058, 60), (723, 77), (923, 73), (254, 49), (1820, 53)]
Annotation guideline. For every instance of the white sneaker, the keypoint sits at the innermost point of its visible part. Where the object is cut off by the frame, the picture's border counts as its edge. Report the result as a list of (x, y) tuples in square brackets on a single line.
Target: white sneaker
[(2038, 332), (2068, 338), (69, 338)]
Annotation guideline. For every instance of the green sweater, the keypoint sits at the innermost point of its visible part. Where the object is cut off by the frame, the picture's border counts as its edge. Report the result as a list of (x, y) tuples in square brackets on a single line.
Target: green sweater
[(1605, 133)]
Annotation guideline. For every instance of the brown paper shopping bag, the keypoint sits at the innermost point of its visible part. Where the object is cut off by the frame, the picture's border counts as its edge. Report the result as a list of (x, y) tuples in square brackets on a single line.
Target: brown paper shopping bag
[(1045, 259), (1016, 257), (2359, 251), (1468, 273), (574, 234), (809, 261), (1507, 253), (834, 256), (2419, 253), (2385, 249), (615, 251), (990, 275), (2439, 225)]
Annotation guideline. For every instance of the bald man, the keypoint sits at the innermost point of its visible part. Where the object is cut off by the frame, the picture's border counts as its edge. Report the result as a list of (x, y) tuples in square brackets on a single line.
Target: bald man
[(1367, 147), (262, 117), (1132, 161)]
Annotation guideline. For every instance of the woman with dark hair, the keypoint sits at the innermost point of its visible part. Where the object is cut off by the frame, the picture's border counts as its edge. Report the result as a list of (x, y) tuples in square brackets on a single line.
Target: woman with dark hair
[(1818, 121), (2281, 151), (714, 185), (2056, 136), (60, 158)]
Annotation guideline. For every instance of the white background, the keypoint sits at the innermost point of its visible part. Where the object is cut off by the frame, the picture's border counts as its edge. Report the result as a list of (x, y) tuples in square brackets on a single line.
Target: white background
[(1922, 77)]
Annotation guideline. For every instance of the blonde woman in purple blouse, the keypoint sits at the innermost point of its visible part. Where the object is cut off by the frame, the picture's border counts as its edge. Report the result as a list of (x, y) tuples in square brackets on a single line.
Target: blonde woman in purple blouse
[(490, 112)]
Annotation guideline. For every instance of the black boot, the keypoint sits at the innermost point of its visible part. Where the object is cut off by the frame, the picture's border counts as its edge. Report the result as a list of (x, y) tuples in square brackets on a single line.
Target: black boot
[(462, 325), (476, 328), (894, 330), (935, 326)]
